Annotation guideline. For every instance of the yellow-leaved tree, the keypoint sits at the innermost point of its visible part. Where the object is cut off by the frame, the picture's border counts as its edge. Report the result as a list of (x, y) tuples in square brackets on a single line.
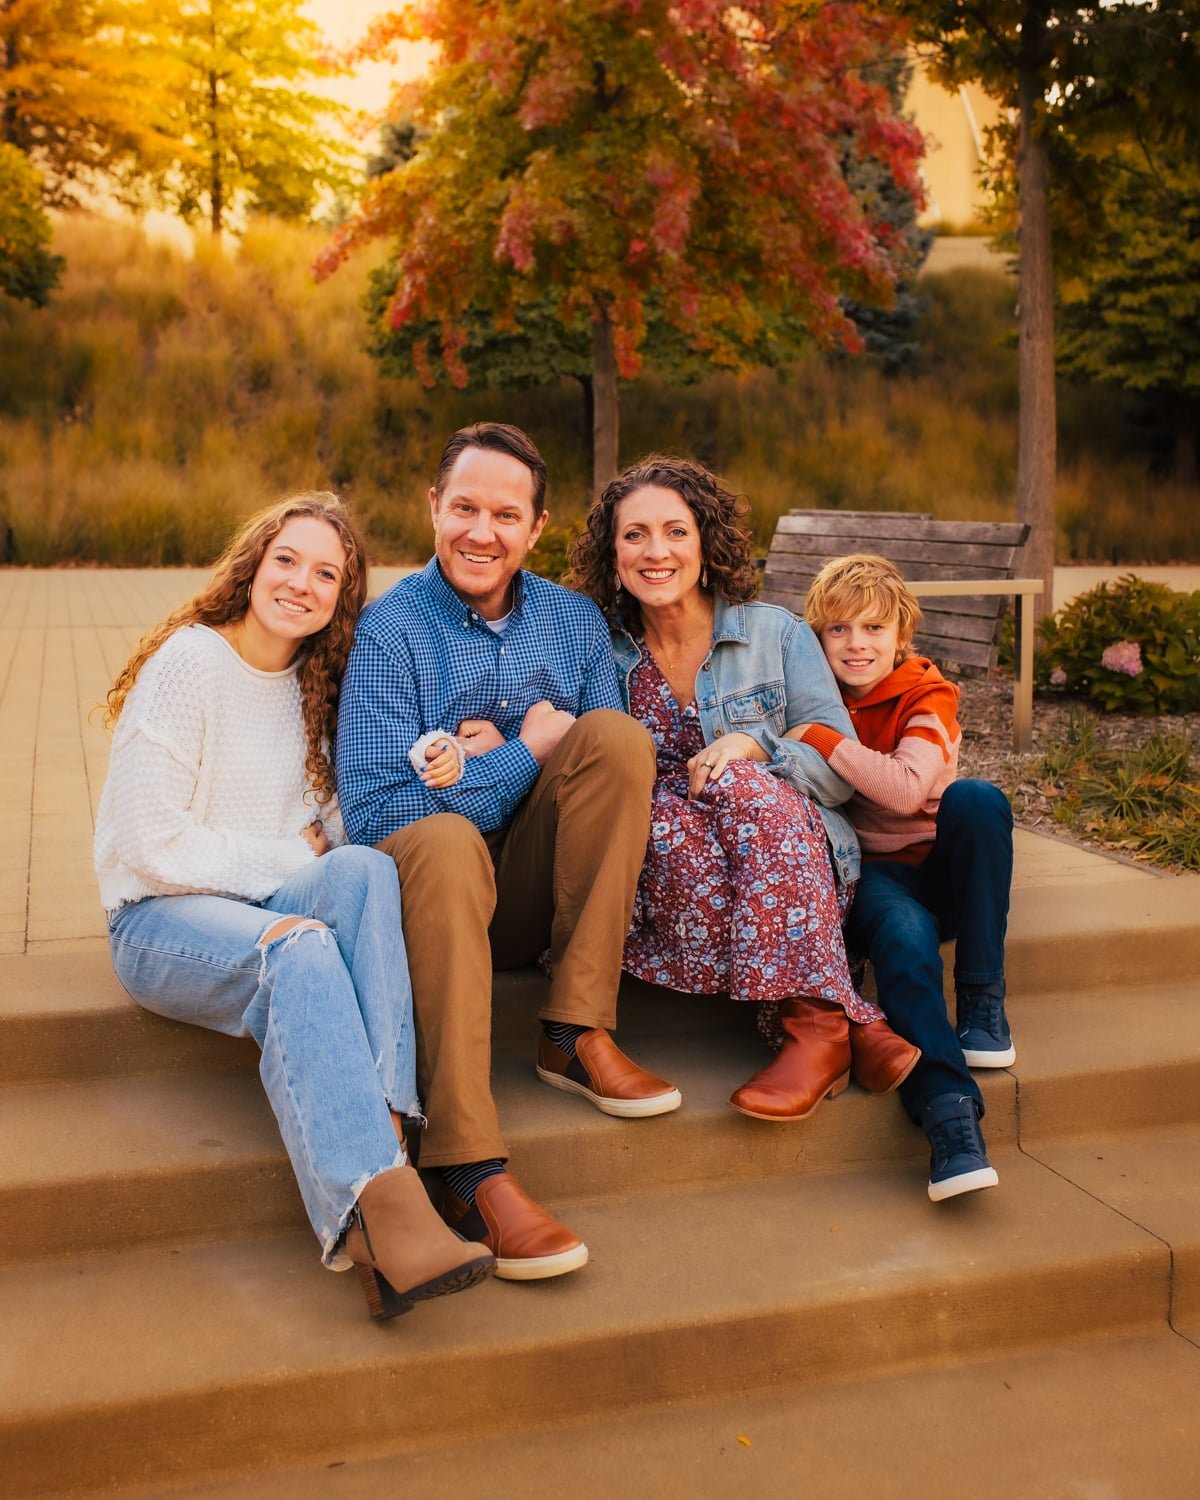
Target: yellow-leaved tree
[(251, 127)]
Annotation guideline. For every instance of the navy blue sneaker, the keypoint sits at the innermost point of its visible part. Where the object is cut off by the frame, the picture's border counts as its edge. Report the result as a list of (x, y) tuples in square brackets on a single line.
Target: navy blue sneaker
[(957, 1156), (982, 1029)]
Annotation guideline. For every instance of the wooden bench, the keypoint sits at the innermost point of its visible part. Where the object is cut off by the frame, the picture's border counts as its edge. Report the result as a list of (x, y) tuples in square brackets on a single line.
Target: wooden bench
[(962, 571)]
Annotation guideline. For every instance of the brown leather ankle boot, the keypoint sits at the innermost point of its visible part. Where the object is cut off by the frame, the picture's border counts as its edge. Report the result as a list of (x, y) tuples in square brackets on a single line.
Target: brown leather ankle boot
[(402, 1250), (813, 1064), (882, 1060)]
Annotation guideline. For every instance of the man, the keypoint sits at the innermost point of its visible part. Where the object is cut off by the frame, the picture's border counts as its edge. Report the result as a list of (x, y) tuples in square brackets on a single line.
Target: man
[(538, 845)]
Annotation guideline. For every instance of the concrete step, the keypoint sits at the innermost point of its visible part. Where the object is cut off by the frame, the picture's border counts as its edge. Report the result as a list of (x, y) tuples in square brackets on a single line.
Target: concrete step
[(159, 1158), (63, 1015), (156, 1158), (144, 1368), (1111, 1418), (1150, 1177)]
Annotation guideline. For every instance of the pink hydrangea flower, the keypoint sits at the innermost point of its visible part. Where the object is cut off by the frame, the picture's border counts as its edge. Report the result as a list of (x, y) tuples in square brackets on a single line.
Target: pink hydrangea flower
[(1058, 678), (1124, 656)]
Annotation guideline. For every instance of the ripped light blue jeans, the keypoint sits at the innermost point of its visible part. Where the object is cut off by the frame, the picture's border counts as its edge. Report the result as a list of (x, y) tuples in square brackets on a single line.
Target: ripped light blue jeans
[(329, 1003)]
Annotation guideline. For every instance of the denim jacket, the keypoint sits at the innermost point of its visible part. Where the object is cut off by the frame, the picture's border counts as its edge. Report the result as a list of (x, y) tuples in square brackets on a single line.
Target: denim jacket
[(765, 673)]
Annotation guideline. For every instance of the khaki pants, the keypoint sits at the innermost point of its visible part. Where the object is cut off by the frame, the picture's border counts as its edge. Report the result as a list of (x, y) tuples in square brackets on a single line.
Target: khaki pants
[(561, 876)]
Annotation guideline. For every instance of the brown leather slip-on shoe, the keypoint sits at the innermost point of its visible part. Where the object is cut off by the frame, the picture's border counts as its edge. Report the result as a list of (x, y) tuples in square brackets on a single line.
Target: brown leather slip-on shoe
[(602, 1073), (529, 1244)]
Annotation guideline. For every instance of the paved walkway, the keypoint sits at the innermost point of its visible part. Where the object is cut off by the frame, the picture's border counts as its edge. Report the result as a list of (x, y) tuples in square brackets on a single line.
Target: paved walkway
[(1070, 581), (64, 635)]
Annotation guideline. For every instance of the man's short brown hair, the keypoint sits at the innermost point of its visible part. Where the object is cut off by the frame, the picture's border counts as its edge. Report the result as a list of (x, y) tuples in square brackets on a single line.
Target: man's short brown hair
[(500, 438)]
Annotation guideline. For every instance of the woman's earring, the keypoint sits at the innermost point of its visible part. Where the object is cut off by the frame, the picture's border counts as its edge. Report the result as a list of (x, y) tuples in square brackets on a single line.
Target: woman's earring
[(704, 576), (618, 583)]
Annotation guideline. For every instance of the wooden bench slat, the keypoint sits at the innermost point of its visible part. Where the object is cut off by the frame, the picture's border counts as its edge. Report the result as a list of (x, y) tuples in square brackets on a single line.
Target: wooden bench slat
[(797, 573), (959, 628), (992, 562), (900, 526)]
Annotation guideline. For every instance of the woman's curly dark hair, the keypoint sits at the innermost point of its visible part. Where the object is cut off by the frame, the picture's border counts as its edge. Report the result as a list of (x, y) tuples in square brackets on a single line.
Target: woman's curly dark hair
[(720, 515)]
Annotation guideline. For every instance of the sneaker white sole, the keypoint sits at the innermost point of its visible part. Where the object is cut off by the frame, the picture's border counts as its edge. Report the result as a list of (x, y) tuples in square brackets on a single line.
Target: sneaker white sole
[(966, 1182), (625, 1109), (540, 1267), (1004, 1059)]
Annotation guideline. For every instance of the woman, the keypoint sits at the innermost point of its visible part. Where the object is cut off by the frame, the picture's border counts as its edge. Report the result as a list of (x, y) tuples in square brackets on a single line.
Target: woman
[(750, 868), (233, 903)]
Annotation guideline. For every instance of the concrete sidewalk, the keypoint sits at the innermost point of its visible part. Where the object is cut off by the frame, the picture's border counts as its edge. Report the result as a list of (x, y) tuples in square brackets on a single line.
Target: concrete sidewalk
[(64, 635)]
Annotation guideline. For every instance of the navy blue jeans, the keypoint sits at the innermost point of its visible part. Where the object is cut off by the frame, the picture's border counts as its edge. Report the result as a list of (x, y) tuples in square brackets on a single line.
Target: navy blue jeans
[(901, 913)]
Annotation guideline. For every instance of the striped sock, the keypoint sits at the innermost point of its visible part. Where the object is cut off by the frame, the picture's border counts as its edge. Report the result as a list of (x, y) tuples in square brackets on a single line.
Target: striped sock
[(462, 1181), (564, 1035)]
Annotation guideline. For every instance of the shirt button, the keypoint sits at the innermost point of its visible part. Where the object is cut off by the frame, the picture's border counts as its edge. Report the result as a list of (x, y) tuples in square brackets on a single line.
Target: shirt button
[(501, 650), (504, 703)]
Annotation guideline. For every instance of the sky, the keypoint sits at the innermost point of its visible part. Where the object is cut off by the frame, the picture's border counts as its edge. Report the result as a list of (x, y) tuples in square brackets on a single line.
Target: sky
[(344, 22)]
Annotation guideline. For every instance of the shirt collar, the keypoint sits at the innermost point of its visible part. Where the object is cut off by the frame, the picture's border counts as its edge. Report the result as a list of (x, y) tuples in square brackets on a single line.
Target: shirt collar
[(729, 621), (454, 607)]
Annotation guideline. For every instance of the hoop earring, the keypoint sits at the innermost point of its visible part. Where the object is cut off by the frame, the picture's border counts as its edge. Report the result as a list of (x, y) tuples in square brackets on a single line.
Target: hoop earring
[(618, 585)]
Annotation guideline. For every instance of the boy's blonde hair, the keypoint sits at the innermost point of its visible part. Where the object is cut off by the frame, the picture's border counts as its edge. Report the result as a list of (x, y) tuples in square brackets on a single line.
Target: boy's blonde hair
[(863, 584)]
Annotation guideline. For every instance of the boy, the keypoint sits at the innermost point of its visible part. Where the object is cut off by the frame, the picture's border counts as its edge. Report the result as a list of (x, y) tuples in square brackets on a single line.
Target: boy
[(937, 856)]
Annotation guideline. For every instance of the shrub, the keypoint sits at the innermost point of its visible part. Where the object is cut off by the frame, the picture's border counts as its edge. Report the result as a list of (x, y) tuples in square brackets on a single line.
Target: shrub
[(1129, 645), (1142, 801), (552, 555)]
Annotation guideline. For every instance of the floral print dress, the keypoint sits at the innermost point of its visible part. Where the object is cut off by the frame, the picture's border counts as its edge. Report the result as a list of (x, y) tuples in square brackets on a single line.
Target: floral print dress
[(737, 895)]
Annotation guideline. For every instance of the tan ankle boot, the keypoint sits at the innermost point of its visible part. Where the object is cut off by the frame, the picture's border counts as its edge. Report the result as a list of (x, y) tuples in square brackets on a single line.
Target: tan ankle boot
[(813, 1064), (402, 1250)]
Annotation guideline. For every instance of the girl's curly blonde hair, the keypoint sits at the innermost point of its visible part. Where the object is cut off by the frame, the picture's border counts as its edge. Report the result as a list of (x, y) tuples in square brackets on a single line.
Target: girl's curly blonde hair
[(725, 544), (321, 657)]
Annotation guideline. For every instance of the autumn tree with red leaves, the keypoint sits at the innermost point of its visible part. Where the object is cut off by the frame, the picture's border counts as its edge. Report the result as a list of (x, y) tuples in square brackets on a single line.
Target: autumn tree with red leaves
[(606, 154)]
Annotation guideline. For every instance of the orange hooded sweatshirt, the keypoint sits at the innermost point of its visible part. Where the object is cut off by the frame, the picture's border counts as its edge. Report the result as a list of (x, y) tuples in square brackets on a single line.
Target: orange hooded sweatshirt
[(905, 757)]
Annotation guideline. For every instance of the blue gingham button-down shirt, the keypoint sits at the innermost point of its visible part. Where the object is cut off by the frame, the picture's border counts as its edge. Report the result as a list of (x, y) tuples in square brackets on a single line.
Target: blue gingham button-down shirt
[(423, 660)]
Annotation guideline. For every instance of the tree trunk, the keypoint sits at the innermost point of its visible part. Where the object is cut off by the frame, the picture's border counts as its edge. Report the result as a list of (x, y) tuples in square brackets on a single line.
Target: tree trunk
[(1185, 426), (605, 412), (8, 112), (589, 411), (216, 186), (1037, 426)]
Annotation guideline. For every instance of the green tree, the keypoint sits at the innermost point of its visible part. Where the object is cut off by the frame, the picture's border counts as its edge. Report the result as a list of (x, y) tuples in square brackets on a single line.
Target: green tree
[(252, 130), (1074, 78), (612, 161), (28, 269), (889, 331), (1130, 316), (77, 98)]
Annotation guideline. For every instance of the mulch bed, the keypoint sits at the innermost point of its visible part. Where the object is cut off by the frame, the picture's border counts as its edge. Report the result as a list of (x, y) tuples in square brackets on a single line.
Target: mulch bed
[(985, 712)]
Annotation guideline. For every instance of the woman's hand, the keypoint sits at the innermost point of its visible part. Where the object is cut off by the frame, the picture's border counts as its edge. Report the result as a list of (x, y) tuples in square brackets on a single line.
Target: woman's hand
[(442, 765), (314, 836), (713, 759)]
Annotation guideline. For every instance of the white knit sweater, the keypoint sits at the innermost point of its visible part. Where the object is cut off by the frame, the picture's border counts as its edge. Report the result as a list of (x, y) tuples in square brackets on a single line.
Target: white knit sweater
[(206, 790)]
